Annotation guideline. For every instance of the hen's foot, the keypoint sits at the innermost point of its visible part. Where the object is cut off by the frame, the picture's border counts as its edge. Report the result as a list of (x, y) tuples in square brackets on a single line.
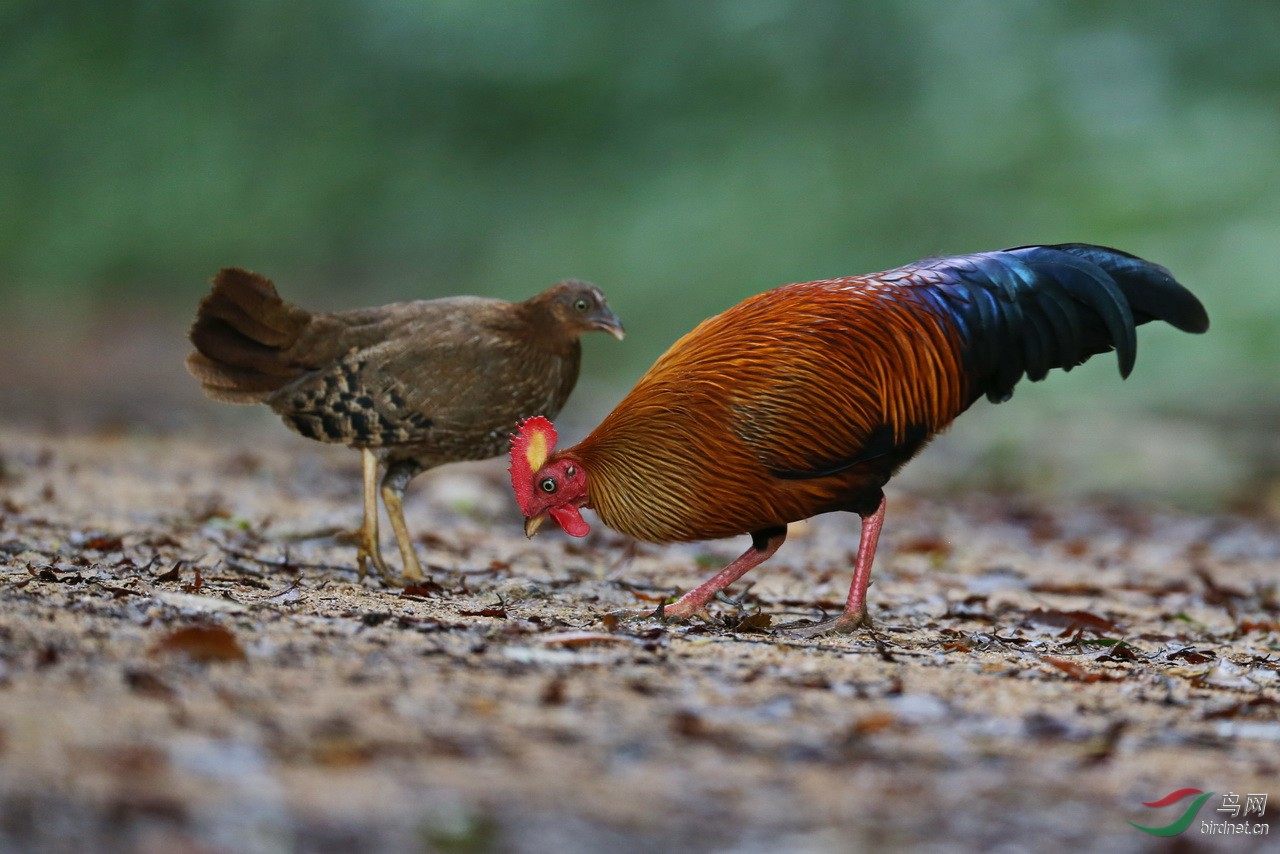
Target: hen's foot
[(367, 552)]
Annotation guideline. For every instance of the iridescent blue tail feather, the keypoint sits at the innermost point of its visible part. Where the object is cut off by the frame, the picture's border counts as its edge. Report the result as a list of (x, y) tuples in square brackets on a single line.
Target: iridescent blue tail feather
[(1024, 311)]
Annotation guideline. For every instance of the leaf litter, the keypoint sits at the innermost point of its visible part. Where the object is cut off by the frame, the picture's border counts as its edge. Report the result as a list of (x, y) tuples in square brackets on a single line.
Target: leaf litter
[(1007, 659)]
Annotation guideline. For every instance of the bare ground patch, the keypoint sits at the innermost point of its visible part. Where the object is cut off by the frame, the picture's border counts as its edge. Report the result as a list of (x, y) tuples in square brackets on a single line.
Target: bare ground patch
[(188, 662)]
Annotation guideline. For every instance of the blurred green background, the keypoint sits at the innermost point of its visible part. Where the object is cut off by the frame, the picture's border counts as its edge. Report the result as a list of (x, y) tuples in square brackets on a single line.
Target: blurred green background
[(681, 154)]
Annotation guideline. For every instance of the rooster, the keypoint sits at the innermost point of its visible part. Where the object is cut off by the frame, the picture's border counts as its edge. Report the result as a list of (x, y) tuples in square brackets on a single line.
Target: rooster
[(807, 398), (413, 385)]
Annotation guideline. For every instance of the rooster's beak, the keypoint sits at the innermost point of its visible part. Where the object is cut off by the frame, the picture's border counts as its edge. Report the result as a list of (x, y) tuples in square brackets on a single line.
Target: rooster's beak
[(533, 523)]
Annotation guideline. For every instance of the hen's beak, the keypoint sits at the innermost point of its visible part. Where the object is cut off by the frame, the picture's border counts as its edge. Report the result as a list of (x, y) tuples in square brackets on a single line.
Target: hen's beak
[(533, 523), (610, 323)]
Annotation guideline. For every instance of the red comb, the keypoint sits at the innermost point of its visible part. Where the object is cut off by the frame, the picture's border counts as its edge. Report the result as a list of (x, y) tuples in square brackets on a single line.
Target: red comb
[(531, 444)]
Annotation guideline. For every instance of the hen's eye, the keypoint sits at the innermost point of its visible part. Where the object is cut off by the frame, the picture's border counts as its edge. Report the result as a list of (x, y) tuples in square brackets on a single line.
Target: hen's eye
[(548, 484), (580, 305)]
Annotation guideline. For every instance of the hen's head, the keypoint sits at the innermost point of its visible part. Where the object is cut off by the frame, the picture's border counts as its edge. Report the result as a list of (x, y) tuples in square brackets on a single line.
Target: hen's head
[(576, 306), (545, 486)]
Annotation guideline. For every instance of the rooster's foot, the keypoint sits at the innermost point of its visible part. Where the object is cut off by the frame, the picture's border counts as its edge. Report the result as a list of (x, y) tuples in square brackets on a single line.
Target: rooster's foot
[(844, 624)]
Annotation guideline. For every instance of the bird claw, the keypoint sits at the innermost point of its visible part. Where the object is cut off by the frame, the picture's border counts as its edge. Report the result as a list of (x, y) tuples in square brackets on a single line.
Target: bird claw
[(351, 537), (843, 625), (673, 612), (628, 616), (662, 614), (364, 557), (367, 552), (413, 573)]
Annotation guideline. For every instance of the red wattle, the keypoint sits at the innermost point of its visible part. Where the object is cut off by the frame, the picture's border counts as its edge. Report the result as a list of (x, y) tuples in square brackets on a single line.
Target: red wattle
[(570, 519)]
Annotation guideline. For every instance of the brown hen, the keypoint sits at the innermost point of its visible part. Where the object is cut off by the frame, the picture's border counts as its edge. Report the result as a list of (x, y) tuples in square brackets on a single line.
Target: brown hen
[(413, 385)]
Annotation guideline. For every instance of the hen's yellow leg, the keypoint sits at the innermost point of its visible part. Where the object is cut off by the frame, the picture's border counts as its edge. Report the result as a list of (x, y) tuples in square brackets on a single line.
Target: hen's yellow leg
[(366, 536), (397, 478)]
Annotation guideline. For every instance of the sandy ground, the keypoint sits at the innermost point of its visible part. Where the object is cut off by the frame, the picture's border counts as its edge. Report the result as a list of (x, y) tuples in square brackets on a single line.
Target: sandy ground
[(190, 664)]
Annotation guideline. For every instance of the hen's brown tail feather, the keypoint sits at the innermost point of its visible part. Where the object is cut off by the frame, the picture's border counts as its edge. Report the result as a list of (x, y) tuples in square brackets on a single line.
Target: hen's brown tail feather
[(241, 332)]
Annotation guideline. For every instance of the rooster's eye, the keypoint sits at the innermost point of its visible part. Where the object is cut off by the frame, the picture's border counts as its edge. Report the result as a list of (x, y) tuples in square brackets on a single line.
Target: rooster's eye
[(580, 305), (548, 484)]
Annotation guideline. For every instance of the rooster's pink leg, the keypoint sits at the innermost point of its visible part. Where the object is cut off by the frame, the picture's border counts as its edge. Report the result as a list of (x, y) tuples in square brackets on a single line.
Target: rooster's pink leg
[(763, 545), (855, 607)]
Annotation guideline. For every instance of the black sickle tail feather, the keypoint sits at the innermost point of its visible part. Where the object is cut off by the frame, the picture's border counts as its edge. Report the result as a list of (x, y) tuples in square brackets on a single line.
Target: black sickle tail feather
[(1027, 310)]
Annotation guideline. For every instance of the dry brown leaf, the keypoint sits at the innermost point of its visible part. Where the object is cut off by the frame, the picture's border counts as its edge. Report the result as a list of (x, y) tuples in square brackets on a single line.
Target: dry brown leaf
[(647, 597), (925, 544), (1244, 708), (205, 644), (1075, 671), (339, 751), (1071, 620), (754, 623), (553, 693), (103, 543), (1190, 655), (147, 684), (1067, 588), (172, 574), (500, 613), (194, 586), (427, 589), (572, 639), (873, 722)]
